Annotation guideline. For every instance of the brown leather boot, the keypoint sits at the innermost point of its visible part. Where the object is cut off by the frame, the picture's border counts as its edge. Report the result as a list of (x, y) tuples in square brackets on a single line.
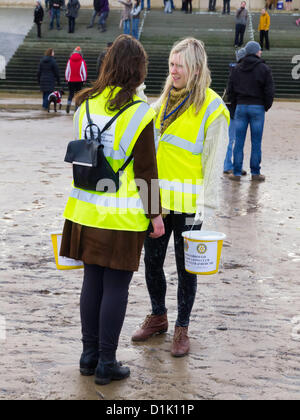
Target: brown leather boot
[(181, 342), (153, 324)]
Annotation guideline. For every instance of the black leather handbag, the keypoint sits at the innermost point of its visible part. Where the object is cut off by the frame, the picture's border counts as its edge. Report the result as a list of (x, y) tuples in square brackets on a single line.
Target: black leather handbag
[(91, 170)]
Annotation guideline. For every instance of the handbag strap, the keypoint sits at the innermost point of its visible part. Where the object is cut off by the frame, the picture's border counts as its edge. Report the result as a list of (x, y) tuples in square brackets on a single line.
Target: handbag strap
[(110, 122)]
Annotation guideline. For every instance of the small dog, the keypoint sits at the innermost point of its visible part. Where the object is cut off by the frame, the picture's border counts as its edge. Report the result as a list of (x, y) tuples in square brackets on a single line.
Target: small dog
[(55, 98)]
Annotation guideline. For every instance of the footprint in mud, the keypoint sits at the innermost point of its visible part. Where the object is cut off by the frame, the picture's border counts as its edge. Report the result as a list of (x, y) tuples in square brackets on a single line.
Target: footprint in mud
[(233, 266)]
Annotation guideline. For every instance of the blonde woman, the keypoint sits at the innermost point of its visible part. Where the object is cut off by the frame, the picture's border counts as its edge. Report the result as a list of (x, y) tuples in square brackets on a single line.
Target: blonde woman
[(192, 121)]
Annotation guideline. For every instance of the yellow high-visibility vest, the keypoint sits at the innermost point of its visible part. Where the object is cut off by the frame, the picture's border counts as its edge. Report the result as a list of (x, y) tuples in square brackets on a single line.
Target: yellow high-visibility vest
[(122, 210), (179, 154)]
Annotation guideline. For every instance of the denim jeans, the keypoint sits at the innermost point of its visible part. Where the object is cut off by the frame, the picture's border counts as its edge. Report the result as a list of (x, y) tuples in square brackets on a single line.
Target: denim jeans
[(135, 28), (228, 165), (45, 99), (55, 14), (253, 115), (148, 4), (126, 26)]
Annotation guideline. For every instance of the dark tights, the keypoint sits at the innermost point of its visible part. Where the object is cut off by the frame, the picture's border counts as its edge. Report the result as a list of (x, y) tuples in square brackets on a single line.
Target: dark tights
[(155, 253), (103, 305)]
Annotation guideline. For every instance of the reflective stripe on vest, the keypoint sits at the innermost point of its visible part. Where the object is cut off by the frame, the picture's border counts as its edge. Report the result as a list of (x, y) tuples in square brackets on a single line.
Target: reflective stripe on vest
[(124, 209), (179, 154), (107, 201)]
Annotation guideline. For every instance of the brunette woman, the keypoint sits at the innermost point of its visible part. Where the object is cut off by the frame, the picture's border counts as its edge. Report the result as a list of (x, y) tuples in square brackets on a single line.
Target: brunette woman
[(107, 230)]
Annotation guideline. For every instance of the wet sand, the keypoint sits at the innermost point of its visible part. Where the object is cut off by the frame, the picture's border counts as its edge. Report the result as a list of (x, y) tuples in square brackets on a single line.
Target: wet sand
[(245, 327)]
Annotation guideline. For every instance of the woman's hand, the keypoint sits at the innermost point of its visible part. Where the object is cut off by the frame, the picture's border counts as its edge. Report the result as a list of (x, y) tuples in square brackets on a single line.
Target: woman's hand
[(158, 227)]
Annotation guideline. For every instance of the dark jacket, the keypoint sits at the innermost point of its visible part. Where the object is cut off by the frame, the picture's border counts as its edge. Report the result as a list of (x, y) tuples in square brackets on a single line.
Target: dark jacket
[(48, 73), (251, 83), (72, 8), (97, 5), (55, 4), (38, 14)]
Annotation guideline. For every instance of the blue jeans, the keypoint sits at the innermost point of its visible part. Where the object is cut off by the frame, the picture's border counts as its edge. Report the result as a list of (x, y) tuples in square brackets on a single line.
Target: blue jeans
[(255, 116), (228, 165), (148, 4), (45, 99), (55, 14), (135, 28), (126, 26)]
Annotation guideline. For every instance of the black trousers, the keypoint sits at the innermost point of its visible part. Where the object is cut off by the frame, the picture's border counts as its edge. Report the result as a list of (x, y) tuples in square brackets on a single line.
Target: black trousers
[(239, 34), (71, 25), (73, 88), (39, 32), (155, 253), (212, 5), (264, 36), (226, 6), (103, 304)]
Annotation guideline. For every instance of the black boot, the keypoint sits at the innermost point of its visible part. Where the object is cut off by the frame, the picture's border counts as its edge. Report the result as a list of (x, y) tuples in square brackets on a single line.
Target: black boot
[(89, 359), (110, 371)]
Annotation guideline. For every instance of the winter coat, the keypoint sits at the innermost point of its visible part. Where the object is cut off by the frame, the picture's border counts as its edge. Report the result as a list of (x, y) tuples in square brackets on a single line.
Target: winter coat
[(264, 22), (38, 14), (241, 16), (55, 4), (97, 5), (73, 7), (48, 73), (76, 70), (251, 83)]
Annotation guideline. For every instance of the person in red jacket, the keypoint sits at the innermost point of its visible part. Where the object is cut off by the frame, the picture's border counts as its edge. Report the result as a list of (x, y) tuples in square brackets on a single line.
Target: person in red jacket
[(75, 74)]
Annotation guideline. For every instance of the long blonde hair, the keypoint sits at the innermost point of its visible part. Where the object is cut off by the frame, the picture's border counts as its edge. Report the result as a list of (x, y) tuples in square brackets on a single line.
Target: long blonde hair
[(193, 55)]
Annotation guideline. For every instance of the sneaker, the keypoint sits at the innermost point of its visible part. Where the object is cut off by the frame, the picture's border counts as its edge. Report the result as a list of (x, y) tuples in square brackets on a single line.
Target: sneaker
[(258, 178), (233, 177), (244, 172), (153, 324), (228, 172), (89, 26)]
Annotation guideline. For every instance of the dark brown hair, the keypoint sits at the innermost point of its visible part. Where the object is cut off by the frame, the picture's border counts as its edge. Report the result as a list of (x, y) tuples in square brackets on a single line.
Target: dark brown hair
[(125, 66), (49, 51)]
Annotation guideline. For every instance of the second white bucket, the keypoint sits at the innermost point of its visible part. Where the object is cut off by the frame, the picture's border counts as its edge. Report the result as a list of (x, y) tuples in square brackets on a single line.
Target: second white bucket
[(202, 251)]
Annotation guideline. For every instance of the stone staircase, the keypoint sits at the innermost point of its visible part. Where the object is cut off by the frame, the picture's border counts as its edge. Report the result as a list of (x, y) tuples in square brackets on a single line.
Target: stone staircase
[(159, 33)]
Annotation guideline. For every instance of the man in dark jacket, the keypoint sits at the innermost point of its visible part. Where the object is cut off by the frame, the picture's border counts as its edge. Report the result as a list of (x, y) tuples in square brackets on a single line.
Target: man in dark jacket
[(97, 8), (55, 6), (251, 92)]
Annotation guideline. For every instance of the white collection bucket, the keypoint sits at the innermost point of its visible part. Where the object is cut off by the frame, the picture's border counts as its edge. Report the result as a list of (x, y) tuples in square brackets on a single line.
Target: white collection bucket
[(202, 251), (63, 263)]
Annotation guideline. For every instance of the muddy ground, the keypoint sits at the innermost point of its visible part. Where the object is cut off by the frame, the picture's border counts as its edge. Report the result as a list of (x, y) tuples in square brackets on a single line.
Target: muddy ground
[(245, 328)]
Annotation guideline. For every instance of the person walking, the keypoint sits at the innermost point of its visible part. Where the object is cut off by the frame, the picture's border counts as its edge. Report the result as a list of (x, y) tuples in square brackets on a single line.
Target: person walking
[(75, 74), (192, 122), (135, 13), (126, 16), (55, 6), (251, 92), (226, 7), (73, 7), (107, 230), (38, 17), (47, 75), (96, 11), (241, 19), (263, 27), (228, 165)]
